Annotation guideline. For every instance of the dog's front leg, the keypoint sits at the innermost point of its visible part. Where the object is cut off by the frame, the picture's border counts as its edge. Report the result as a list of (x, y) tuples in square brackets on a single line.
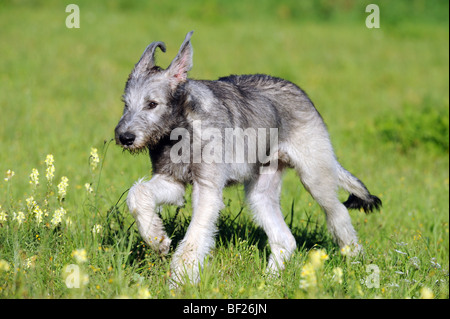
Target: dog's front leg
[(199, 239), (143, 200)]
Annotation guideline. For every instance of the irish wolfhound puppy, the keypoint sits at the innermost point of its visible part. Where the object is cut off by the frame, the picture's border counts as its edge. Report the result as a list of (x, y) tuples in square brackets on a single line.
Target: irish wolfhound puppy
[(207, 133)]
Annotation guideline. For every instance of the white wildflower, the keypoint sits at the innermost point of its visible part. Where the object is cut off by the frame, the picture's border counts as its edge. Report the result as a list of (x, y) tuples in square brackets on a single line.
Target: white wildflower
[(346, 250), (94, 158), (58, 216), (415, 262), (34, 177), (400, 252), (3, 215), (338, 275), (20, 217), (88, 188), (97, 229), (9, 175), (434, 264), (38, 214), (62, 187), (50, 171), (31, 203), (316, 259)]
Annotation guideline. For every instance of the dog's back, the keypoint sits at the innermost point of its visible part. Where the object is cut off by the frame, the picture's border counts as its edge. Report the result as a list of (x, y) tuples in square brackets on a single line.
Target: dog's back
[(257, 101)]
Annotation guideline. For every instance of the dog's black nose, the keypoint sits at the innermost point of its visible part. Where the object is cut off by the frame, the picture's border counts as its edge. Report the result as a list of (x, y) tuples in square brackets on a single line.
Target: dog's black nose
[(127, 138)]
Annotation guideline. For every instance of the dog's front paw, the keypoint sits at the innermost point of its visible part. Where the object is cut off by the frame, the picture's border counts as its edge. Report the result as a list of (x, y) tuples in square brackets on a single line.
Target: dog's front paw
[(164, 246), (184, 268), (160, 244)]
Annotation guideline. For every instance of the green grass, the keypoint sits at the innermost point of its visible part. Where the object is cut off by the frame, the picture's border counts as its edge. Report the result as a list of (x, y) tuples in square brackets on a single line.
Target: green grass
[(382, 92)]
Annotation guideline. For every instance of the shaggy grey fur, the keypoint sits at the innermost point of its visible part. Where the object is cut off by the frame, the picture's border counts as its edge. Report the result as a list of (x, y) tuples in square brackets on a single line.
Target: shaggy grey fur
[(160, 102)]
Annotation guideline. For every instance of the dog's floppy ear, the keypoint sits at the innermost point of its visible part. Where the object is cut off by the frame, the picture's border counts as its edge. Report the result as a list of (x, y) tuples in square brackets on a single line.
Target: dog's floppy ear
[(180, 66), (147, 60)]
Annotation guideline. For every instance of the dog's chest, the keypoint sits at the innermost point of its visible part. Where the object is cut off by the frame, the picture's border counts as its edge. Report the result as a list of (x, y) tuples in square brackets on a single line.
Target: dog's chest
[(163, 163)]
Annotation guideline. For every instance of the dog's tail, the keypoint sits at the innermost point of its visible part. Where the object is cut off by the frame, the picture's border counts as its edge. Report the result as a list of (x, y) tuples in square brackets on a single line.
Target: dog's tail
[(360, 197)]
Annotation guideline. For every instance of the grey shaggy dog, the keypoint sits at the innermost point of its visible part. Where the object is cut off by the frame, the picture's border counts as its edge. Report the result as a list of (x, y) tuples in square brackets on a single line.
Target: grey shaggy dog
[(168, 114)]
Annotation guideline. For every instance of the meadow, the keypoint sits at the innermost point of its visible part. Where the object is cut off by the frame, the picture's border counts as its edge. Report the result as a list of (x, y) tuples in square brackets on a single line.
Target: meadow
[(383, 93)]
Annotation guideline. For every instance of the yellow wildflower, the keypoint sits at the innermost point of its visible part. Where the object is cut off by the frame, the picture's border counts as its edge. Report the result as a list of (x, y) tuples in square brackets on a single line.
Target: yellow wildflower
[(308, 275), (4, 265), (80, 255), (34, 177), (317, 257), (94, 159), (20, 217), (143, 293), (31, 203), (426, 293), (338, 275), (50, 171), (49, 160), (3, 216), (62, 187), (38, 213), (346, 250), (57, 216)]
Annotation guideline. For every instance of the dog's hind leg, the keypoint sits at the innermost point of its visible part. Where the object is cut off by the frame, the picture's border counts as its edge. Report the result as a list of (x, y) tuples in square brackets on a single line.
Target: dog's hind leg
[(263, 196), (318, 170), (143, 200)]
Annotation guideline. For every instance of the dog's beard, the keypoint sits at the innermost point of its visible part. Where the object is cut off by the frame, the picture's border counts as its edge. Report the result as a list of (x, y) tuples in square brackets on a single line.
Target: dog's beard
[(147, 141), (135, 151)]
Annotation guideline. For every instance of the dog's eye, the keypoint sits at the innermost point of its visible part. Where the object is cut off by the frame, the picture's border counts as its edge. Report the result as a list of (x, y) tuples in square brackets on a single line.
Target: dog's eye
[(151, 105)]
